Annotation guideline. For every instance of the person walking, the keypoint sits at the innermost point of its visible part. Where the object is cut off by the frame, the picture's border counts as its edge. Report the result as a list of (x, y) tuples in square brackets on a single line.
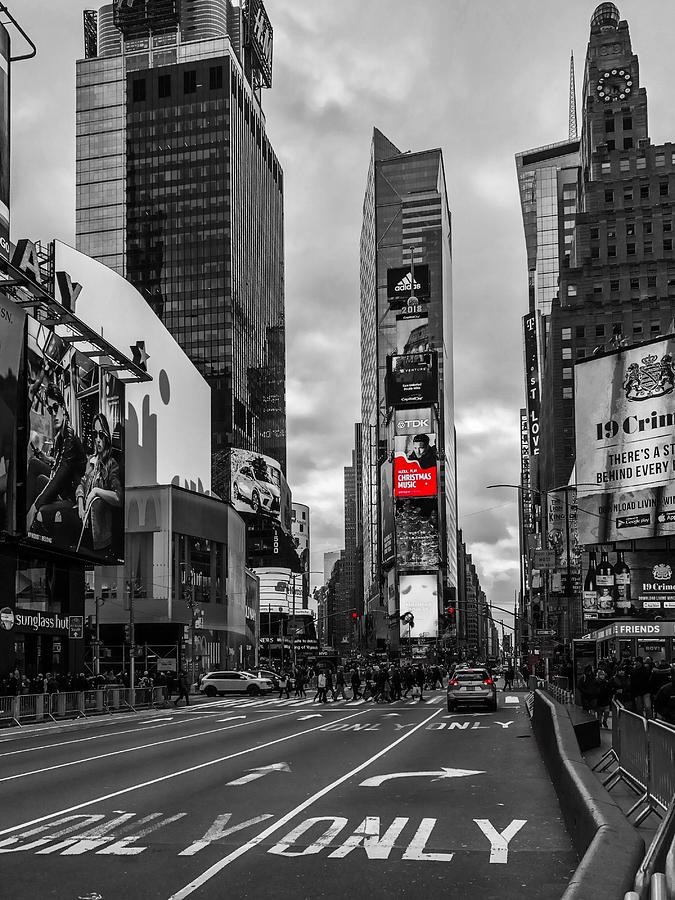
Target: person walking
[(604, 690), (283, 686), (340, 684), (509, 675), (183, 689), (329, 686), (396, 684), (639, 683), (356, 684), (586, 687), (664, 702), (320, 696), (419, 680)]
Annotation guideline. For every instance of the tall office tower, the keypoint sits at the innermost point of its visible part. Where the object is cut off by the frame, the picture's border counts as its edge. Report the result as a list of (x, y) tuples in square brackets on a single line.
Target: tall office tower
[(300, 531), (353, 556), (407, 395), (615, 248), (179, 190)]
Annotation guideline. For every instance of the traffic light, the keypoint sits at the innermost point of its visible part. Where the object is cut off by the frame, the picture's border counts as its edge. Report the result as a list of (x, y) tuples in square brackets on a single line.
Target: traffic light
[(355, 616), (127, 634)]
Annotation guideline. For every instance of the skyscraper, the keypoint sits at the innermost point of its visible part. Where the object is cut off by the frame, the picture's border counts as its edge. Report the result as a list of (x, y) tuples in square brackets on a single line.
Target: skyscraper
[(613, 228), (179, 190), (407, 401)]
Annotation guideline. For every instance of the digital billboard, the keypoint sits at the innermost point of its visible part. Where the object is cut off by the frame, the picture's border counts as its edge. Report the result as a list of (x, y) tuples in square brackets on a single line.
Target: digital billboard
[(4, 141), (75, 449), (12, 321), (387, 537), (402, 283), (412, 379), (410, 421), (562, 534), (532, 381), (415, 465), (259, 486), (418, 594), (417, 533), (624, 418), (642, 584), (412, 331)]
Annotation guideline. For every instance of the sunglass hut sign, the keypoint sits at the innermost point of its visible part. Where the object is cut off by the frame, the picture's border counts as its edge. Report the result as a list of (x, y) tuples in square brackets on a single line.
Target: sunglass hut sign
[(41, 623)]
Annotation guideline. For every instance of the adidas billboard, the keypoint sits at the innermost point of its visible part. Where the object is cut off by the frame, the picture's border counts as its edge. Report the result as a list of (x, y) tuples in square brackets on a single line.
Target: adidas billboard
[(401, 283)]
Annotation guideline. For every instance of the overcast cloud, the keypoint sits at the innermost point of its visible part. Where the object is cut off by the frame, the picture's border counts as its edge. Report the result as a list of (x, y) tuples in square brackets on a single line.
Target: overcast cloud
[(483, 80)]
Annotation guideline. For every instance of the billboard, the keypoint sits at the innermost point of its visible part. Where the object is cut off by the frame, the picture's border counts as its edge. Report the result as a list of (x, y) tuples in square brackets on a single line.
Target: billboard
[(624, 418), (260, 38), (12, 320), (410, 421), (562, 534), (532, 380), (415, 465), (417, 533), (74, 449), (418, 594), (642, 585), (527, 510), (403, 283), (258, 486), (412, 330), (386, 514), (4, 141), (412, 378)]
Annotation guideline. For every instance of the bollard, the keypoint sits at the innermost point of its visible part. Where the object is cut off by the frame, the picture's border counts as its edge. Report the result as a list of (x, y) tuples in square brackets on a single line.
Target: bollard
[(658, 890), (60, 704), (39, 707), (631, 895), (100, 694)]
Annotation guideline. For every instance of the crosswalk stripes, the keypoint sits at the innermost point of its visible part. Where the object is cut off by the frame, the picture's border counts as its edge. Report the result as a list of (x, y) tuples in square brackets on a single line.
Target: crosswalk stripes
[(258, 702)]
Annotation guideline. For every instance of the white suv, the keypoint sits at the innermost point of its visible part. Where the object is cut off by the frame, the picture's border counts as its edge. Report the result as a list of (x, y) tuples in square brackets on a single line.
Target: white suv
[(218, 683)]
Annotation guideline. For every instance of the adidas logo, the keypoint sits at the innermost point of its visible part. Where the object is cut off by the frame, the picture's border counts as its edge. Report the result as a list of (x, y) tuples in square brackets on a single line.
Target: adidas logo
[(406, 284)]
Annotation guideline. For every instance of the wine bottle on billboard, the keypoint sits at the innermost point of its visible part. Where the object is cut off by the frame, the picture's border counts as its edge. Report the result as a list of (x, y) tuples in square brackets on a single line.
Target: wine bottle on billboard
[(605, 584), (622, 582), (590, 599)]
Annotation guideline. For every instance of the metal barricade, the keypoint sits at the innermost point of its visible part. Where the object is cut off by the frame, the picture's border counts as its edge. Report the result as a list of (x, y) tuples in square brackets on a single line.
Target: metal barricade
[(633, 768), (33, 708), (612, 755), (661, 738), (160, 695), (142, 698), (7, 711), (67, 705)]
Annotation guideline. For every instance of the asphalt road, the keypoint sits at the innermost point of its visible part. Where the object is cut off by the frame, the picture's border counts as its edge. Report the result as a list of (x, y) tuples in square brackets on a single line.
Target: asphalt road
[(253, 799)]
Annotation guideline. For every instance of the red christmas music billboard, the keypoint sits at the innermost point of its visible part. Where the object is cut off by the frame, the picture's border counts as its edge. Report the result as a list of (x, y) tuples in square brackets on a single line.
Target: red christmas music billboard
[(415, 465)]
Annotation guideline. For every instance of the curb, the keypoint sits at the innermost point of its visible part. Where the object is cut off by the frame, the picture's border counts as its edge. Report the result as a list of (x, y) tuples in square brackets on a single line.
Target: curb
[(609, 847)]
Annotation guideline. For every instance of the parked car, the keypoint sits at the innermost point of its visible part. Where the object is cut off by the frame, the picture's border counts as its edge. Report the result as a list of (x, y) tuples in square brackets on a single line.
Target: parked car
[(260, 494), (218, 683), (471, 686)]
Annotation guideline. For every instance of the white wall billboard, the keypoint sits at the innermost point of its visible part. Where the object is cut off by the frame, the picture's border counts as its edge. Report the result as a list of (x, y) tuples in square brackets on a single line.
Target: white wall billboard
[(418, 594), (624, 416)]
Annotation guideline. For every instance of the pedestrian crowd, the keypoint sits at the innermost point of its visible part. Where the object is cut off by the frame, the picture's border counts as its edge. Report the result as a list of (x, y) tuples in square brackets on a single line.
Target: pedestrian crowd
[(14, 683), (639, 684)]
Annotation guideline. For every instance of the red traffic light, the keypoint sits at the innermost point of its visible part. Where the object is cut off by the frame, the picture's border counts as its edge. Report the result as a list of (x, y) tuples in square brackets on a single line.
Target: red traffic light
[(450, 610), (355, 615)]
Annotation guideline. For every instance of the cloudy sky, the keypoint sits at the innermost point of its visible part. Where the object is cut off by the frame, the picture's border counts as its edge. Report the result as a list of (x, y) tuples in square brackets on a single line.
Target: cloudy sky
[(481, 79)]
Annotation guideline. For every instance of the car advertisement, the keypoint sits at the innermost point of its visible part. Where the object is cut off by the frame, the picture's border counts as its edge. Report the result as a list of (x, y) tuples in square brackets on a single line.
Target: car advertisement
[(418, 596), (415, 465), (12, 320), (417, 533), (258, 486), (75, 449), (403, 283), (412, 379), (624, 418)]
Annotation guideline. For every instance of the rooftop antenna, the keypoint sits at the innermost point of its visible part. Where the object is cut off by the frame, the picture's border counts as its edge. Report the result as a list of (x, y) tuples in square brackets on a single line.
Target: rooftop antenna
[(573, 135)]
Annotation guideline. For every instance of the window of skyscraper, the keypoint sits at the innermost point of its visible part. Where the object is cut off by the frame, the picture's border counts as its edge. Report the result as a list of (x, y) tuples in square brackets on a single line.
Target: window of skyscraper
[(566, 334), (567, 393), (599, 330), (635, 284), (637, 327), (595, 233), (609, 196), (215, 77), (609, 124), (624, 165), (567, 353), (627, 143), (611, 250), (630, 228), (595, 253), (647, 228), (630, 249), (627, 123), (627, 195), (668, 226), (189, 81), (668, 244), (164, 86), (611, 145), (642, 162), (138, 89), (655, 328), (581, 331), (614, 286), (660, 159), (651, 281), (663, 189), (567, 373), (648, 247)]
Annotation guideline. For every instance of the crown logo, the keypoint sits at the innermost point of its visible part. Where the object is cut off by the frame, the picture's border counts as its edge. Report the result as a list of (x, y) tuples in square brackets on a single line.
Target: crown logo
[(662, 572), (654, 378)]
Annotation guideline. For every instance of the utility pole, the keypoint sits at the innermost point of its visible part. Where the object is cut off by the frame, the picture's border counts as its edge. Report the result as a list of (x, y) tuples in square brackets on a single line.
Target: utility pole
[(97, 646), (132, 637)]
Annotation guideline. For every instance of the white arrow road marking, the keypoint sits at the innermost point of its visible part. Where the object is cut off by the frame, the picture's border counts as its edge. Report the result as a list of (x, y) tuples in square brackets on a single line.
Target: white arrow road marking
[(312, 716), (389, 715), (260, 772), (442, 774), (230, 718), (512, 700), (155, 721)]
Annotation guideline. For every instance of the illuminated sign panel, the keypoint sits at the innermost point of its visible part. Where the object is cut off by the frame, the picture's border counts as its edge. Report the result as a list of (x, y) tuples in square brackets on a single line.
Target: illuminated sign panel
[(532, 381)]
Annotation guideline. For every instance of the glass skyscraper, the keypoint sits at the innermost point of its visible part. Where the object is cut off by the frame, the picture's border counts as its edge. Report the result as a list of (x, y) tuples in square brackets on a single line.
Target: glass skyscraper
[(407, 391), (180, 191)]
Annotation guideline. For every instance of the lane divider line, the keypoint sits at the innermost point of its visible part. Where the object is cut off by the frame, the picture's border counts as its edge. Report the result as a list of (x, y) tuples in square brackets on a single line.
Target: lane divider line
[(161, 778), (208, 874)]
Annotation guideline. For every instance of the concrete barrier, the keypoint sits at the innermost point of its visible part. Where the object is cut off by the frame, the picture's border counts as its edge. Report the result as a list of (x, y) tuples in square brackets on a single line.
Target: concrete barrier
[(609, 847)]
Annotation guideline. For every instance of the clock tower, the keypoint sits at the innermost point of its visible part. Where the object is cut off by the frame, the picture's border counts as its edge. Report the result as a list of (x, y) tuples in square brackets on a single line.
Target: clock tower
[(614, 105)]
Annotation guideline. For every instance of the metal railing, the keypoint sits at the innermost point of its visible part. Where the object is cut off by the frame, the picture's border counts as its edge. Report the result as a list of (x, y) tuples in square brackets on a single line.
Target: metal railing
[(31, 708), (553, 688), (655, 879)]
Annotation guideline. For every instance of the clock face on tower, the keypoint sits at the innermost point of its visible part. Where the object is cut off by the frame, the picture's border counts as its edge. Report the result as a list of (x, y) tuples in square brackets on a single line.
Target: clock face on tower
[(614, 84)]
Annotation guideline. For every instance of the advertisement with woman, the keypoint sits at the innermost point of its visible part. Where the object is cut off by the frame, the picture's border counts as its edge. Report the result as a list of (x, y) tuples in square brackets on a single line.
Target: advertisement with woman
[(75, 452)]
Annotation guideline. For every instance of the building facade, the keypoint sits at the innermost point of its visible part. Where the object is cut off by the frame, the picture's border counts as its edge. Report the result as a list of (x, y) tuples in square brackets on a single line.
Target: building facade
[(615, 288), (179, 190), (407, 401)]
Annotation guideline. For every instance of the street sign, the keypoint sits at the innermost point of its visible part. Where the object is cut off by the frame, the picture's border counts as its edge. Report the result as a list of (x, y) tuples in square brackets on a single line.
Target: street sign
[(75, 627), (544, 559), (548, 632)]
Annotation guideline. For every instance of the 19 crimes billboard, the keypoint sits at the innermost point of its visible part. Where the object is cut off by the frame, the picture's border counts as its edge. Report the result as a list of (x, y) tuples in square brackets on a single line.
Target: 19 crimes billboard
[(412, 378), (75, 449), (418, 594), (624, 416)]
